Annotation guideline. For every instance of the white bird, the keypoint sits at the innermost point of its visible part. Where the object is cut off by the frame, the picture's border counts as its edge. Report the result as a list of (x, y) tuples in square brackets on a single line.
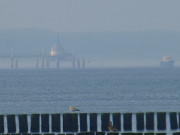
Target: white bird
[(73, 109)]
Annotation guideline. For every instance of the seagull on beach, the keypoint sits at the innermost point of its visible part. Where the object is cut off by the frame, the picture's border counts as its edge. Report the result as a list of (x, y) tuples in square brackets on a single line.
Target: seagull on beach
[(111, 127), (73, 109)]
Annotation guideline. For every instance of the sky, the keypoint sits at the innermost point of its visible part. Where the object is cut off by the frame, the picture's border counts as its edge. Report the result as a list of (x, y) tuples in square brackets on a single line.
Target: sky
[(90, 15)]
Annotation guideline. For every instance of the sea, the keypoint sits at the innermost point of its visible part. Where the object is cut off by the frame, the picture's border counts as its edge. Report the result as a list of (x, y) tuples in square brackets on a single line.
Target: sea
[(90, 89)]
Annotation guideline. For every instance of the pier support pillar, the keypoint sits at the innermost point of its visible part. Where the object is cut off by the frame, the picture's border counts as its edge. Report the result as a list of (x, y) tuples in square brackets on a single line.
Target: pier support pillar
[(83, 63), (42, 62), (47, 63), (58, 63), (78, 63), (12, 63), (16, 64), (73, 64), (37, 64)]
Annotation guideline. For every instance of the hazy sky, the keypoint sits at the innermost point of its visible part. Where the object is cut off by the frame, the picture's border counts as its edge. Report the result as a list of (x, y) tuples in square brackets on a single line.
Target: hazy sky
[(90, 15)]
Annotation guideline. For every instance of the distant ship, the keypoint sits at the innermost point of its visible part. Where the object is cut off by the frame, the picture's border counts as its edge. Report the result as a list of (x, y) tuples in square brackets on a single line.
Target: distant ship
[(167, 62)]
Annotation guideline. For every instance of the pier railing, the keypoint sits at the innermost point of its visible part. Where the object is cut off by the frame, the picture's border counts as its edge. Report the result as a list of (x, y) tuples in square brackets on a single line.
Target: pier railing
[(147, 123)]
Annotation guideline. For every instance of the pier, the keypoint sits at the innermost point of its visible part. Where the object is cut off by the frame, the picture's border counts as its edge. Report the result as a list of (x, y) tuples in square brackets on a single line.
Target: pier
[(36, 62), (140, 123), (53, 59)]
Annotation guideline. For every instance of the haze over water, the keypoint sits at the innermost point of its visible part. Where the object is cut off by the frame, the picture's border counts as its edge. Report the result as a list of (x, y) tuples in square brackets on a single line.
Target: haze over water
[(118, 33)]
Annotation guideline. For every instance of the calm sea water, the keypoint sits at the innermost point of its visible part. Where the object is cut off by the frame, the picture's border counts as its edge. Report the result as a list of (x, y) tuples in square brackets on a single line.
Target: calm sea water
[(90, 90)]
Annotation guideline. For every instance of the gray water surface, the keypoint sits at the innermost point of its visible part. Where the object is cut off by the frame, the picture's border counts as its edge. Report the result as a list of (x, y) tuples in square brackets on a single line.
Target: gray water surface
[(91, 90)]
